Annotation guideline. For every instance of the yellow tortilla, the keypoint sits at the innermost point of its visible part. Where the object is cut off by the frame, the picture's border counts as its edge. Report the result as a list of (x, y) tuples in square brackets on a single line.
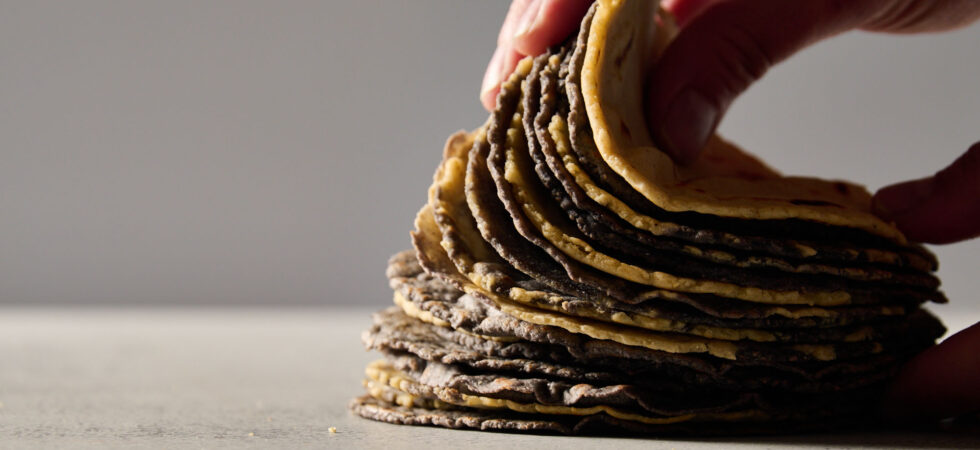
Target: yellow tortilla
[(427, 233), (554, 227), (380, 373), (612, 83), (558, 129), (447, 197)]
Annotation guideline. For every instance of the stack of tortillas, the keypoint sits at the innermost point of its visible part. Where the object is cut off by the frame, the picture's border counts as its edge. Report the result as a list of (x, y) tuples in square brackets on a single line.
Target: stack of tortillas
[(568, 277)]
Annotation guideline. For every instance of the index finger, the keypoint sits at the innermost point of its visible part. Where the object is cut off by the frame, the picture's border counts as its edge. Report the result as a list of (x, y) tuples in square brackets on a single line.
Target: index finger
[(555, 21)]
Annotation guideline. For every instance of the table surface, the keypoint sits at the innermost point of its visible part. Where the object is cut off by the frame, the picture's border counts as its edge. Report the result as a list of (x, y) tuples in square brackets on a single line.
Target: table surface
[(243, 378)]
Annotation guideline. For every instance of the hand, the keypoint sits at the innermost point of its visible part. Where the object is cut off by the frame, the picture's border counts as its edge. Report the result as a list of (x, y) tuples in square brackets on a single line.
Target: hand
[(939, 209), (943, 380), (726, 45), (938, 383), (723, 47)]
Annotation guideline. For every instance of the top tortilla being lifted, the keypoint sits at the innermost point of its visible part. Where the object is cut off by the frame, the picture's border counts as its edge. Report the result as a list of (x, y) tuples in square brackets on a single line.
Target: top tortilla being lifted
[(724, 181)]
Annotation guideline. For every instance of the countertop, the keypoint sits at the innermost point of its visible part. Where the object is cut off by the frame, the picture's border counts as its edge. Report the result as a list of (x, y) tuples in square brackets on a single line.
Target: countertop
[(253, 378)]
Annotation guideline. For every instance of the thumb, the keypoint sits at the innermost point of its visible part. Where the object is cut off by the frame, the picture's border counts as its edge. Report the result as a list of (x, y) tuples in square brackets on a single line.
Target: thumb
[(939, 382), (723, 50), (939, 209)]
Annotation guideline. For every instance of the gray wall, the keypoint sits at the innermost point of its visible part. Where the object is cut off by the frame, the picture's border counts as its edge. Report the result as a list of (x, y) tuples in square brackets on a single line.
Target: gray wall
[(244, 152)]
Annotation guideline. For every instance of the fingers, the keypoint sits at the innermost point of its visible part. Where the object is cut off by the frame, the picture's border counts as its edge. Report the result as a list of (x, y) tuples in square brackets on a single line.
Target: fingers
[(504, 58), (940, 209), (724, 48), (726, 45), (502, 63), (517, 10), (938, 383), (553, 22), (530, 28)]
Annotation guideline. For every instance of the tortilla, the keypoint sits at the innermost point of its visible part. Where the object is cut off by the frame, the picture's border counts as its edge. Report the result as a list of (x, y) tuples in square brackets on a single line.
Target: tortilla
[(409, 284), (569, 357), (521, 388), (518, 187), (389, 384), (568, 277), (383, 373), (538, 221), (505, 318), (464, 418), (725, 181), (555, 164), (752, 235)]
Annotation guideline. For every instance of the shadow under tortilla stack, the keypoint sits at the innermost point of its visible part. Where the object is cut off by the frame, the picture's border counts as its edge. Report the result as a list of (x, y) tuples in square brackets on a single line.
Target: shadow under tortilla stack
[(568, 277)]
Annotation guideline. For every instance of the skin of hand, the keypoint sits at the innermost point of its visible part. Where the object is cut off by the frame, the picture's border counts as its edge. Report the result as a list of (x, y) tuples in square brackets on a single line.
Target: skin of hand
[(726, 45)]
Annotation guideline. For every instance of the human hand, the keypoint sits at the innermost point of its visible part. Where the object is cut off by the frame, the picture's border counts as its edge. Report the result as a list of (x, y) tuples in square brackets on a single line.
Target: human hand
[(943, 380), (938, 383), (726, 45), (722, 48)]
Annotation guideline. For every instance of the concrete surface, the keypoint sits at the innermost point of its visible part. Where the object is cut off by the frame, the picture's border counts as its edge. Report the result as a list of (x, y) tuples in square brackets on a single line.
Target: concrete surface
[(250, 378)]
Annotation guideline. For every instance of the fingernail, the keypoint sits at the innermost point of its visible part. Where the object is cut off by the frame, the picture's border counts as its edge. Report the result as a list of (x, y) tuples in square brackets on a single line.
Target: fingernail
[(897, 199), (690, 120), (529, 19), (491, 79)]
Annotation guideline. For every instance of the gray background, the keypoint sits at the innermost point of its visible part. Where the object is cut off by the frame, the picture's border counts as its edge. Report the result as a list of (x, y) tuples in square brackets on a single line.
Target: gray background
[(243, 152)]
